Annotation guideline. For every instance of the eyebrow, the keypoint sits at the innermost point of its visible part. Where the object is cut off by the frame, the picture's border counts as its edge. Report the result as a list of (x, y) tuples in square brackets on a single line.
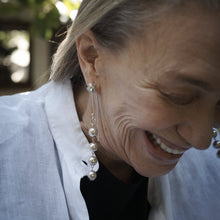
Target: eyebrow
[(195, 82)]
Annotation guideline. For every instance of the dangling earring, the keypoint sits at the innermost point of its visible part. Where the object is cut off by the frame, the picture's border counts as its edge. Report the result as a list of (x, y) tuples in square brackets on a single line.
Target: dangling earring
[(216, 143), (93, 131)]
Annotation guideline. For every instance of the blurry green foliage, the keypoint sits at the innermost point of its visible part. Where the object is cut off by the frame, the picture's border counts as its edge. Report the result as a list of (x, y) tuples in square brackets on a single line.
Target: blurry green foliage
[(44, 15)]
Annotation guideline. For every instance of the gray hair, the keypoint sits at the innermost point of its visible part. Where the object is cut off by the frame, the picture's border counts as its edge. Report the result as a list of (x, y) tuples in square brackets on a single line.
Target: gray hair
[(112, 22)]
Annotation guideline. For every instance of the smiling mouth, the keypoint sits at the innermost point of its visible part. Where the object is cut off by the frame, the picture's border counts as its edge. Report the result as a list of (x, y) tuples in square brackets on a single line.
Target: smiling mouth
[(158, 142)]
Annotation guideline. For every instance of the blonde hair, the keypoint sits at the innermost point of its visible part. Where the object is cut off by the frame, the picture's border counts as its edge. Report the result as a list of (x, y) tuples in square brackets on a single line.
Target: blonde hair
[(112, 22)]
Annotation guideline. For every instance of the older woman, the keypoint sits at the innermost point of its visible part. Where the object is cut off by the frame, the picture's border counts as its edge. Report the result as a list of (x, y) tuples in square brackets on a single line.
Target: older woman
[(134, 94)]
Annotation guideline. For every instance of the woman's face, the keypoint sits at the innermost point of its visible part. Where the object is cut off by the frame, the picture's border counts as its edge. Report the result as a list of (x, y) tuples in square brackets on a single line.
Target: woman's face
[(160, 96)]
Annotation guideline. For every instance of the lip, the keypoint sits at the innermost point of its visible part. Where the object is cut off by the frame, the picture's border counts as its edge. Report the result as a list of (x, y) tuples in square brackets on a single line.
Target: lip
[(160, 155)]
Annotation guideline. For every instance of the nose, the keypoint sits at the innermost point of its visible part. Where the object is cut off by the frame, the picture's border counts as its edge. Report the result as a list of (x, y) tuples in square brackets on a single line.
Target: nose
[(198, 138), (197, 129)]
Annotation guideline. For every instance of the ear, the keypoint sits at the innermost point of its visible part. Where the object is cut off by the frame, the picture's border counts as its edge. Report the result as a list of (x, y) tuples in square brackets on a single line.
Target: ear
[(87, 49)]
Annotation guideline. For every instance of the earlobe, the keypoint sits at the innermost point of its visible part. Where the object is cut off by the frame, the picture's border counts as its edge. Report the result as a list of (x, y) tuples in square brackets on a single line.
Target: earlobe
[(87, 55)]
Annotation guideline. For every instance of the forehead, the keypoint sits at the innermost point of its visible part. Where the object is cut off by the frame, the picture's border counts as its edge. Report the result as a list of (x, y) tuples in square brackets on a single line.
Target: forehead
[(188, 40), (185, 28)]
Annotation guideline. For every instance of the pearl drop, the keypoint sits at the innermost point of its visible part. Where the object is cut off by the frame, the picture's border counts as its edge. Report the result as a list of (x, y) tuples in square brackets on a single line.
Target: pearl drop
[(214, 133), (93, 147), (216, 144), (93, 160), (92, 175), (92, 132), (90, 87)]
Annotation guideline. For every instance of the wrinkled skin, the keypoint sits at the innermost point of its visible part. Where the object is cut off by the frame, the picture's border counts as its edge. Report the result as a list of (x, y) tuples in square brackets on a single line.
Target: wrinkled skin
[(167, 83)]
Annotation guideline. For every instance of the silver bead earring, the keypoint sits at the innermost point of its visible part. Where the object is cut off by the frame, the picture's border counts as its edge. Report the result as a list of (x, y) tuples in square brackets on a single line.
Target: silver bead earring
[(216, 143), (93, 131)]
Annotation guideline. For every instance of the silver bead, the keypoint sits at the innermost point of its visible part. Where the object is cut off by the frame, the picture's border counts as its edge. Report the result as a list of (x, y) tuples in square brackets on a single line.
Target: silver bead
[(92, 175), (93, 160), (216, 144), (214, 133), (218, 154), (92, 132), (90, 88), (93, 147)]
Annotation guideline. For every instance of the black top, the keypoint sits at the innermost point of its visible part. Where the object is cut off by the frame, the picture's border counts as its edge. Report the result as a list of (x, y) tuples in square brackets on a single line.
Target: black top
[(109, 198)]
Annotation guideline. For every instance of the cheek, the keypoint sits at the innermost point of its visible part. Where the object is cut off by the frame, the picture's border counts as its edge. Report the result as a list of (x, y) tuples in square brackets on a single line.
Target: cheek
[(122, 122), (152, 113)]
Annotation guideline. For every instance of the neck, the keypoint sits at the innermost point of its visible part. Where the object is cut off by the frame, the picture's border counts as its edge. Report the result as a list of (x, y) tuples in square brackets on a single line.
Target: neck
[(116, 167)]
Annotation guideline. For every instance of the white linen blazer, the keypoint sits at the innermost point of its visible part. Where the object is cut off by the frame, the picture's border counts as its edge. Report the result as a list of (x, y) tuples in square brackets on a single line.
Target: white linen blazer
[(42, 149)]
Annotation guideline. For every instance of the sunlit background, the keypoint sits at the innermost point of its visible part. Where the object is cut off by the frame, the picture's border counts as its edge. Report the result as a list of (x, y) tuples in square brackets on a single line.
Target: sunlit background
[(28, 30), (15, 56)]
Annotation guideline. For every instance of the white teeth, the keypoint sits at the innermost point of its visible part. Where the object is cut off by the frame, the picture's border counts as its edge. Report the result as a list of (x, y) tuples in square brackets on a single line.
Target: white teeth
[(158, 141), (165, 147)]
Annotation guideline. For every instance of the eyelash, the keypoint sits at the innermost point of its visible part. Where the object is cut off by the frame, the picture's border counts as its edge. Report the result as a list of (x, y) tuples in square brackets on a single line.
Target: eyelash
[(179, 99)]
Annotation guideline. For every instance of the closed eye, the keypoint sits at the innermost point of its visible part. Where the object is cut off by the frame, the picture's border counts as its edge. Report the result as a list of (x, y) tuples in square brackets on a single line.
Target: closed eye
[(179, 99)]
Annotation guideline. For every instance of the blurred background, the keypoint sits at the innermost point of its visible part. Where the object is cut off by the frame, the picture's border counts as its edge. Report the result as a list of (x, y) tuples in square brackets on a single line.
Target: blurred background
[(30, 31)]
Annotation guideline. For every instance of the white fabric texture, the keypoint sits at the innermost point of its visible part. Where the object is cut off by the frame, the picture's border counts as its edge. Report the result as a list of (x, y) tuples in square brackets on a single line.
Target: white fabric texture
[(42, 149)]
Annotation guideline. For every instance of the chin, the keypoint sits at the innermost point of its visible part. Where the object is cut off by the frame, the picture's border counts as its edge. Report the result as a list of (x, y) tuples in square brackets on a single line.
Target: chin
[(156, 171)]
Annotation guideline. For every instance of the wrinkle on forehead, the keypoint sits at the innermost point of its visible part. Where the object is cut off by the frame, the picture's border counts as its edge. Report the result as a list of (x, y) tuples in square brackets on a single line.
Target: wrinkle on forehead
[(189, 40)]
